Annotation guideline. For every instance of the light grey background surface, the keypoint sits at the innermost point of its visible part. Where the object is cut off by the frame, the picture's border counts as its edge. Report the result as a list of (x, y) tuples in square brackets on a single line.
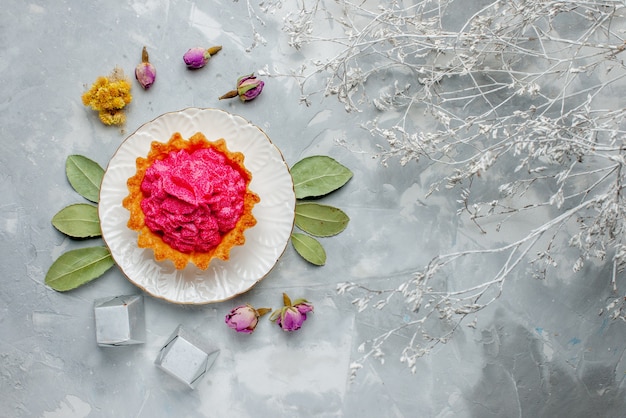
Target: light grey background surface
[(542, 350)]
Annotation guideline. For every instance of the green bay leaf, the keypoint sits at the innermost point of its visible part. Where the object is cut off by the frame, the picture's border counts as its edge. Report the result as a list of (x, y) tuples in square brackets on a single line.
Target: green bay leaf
[(85, 176), (320, 220), (318, 175), (78, 221), (78, 267), (309, 248)]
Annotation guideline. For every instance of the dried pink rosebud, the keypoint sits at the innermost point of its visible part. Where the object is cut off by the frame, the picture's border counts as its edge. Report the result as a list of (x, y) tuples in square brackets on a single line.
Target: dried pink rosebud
[(248, 88), (303, 306), (145, 73), (245, 318), (291, 316), (198, 57)]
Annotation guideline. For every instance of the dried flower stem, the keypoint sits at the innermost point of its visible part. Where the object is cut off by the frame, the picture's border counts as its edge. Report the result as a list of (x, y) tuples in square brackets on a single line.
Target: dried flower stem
[(518, 107)]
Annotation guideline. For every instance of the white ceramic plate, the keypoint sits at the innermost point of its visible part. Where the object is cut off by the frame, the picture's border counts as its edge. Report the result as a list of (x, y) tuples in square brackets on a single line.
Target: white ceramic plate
[(248, 263)]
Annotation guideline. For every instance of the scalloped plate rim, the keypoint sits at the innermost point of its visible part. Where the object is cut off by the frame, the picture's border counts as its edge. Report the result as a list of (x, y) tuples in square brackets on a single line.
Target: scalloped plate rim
[(278, 249)]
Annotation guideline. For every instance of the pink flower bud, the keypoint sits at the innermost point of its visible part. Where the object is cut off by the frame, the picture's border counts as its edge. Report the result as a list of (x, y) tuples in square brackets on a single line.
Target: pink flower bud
[(145, 73), (244, 318), (198, 57), (303, 306), (291, 316), (248, 88)]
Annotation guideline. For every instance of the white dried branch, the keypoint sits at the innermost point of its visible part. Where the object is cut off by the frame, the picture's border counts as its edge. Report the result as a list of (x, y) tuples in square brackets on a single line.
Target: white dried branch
[(528, 90)]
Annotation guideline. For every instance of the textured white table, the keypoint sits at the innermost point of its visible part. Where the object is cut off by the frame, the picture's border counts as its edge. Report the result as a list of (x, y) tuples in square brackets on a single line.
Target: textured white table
[(542, 350)]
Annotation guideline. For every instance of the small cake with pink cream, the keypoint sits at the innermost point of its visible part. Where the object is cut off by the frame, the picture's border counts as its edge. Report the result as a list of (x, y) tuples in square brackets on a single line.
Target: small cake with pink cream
[(190, 200)]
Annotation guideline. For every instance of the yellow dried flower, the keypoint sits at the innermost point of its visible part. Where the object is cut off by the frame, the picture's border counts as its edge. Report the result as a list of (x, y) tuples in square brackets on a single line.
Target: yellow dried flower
[(112, 118), (108, 96)]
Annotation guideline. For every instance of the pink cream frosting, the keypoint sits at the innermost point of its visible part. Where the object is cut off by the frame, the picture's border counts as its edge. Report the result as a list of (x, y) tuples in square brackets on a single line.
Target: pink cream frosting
[(192, 199)]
